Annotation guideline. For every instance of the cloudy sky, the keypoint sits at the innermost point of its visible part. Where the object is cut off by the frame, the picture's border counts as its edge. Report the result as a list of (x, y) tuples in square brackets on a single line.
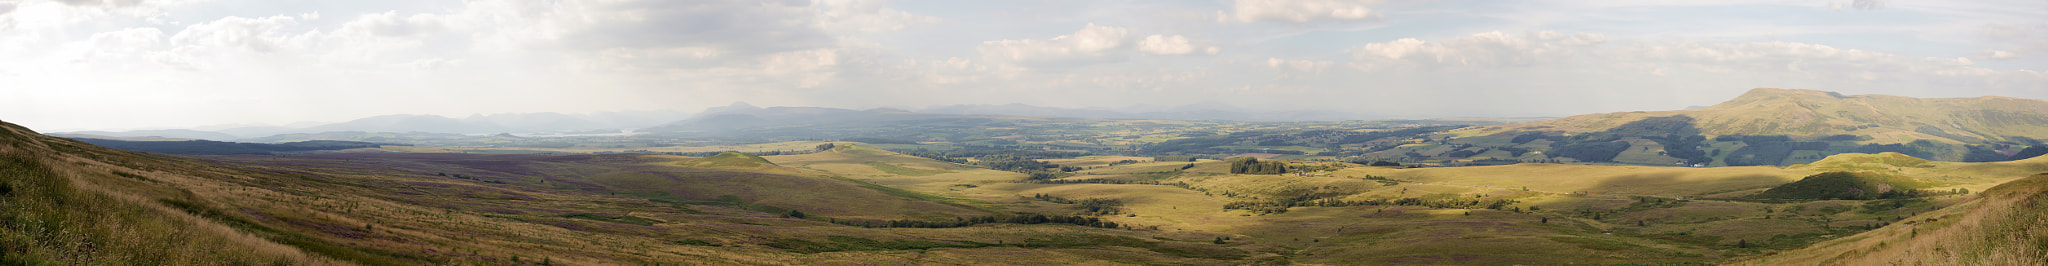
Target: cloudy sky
[(129, 64)]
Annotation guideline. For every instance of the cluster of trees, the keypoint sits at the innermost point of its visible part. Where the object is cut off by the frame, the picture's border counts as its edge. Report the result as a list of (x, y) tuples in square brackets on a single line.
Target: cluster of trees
[(1249, 165), (1980, 153), (1087, 206), (1588, 151), (1020, 218), (2029, 153), (1526, 137), (1175, 158), (1013, 163)]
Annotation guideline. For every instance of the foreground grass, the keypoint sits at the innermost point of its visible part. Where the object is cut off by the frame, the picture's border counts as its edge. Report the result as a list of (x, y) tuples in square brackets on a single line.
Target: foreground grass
[(50, 216)]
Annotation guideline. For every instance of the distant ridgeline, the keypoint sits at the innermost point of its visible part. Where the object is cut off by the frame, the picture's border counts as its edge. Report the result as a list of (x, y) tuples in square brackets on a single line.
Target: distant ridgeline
[(1762, 127), (208, 147)]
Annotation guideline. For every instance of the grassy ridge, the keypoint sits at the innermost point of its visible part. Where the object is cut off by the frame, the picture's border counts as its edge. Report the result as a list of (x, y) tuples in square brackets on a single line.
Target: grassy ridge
[(1883, 118), (1844, 185), (49, 218), (2006, 225)]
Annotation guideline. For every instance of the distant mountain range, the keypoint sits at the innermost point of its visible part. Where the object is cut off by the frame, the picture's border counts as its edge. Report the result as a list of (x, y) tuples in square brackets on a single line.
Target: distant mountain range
[(474, 124), (741, 116), (736, 116), (145, 135), (1199, 111)]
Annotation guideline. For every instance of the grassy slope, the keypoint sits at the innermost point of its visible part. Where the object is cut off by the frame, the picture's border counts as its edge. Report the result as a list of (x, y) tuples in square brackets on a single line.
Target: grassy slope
[(1943, 175), (63, 209), (2005, 225), (1807, 112)]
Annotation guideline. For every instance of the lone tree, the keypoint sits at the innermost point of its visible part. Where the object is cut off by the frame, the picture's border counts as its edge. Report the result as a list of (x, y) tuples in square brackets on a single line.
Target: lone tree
[(796, 214), (1219, 240), (1742, 243)]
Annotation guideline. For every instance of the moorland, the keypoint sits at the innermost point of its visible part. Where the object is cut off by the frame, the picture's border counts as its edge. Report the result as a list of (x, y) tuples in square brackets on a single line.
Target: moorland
[(1772, 177)]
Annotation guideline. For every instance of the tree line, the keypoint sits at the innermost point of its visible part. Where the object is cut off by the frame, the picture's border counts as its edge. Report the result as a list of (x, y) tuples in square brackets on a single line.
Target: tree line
[(1249, 165)]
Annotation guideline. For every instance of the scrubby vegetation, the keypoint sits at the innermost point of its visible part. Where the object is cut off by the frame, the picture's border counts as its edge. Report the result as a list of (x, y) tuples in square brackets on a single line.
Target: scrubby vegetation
[(1850, 186)]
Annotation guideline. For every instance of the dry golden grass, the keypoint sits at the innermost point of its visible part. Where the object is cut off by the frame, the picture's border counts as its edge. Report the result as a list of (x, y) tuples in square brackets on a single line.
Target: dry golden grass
[(55, 212)]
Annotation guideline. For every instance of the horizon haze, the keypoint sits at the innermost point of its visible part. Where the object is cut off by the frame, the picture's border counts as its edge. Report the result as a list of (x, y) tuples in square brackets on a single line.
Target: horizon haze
[(113, 65)]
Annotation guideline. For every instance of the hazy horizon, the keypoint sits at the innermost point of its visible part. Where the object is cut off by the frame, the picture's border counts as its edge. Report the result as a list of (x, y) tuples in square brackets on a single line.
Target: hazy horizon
[(152, 64)]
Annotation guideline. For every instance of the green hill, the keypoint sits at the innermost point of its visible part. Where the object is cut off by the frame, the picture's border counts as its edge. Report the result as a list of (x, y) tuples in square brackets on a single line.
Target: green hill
[(2004, 225), (1844, 185), (1774, 127), (1883, 118)]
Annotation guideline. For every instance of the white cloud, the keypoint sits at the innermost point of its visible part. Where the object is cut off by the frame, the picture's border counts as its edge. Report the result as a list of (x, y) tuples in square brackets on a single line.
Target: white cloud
[(1303, 65), (389, 24), (1298, 11), (1171, 45), (1483, 50), (1998, 54), (865, 16), (1856, 4), (1091, 44), (125, 41), (253, 34), (2019, 39)]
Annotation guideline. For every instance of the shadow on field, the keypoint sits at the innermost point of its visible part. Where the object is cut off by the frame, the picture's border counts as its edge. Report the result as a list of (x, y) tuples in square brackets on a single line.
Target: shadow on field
[(1678, 184)]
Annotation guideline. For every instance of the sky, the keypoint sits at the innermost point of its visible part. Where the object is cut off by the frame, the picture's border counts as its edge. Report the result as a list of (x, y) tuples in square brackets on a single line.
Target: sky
[(140, 64)]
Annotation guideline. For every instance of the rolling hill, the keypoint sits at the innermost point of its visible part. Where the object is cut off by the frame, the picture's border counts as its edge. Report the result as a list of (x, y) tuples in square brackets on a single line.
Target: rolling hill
[(1764, 127), (2004, 225), (1883, 119)]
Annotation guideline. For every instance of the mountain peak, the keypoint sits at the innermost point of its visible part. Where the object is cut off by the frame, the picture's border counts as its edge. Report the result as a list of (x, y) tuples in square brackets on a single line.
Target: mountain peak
[(1766, 94), (734, 107)]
